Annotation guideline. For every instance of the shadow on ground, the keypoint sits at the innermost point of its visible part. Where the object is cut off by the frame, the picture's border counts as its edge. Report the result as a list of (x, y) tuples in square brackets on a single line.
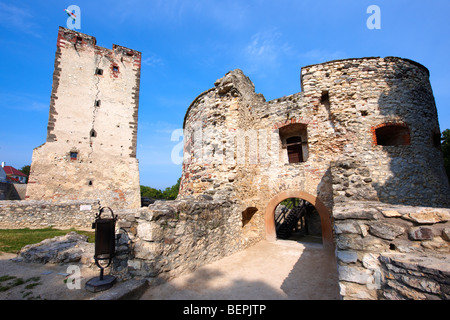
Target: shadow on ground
[(282, 270)]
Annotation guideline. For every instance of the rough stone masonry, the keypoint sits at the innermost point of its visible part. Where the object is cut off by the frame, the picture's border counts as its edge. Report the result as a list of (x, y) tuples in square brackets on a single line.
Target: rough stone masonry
[(360, 142), (90, 152)]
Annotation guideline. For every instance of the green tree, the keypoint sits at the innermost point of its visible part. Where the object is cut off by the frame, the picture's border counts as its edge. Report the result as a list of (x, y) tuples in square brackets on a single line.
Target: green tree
[(170, 193), (151, 193), (445, 145), (26, 170)]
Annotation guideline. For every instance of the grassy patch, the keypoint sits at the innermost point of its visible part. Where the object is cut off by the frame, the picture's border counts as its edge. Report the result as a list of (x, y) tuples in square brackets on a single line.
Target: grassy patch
[(6, 278), (14, 282), (12, 240)]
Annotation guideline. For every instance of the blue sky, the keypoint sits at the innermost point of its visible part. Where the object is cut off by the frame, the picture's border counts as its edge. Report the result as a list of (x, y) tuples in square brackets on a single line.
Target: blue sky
[(186, 45)]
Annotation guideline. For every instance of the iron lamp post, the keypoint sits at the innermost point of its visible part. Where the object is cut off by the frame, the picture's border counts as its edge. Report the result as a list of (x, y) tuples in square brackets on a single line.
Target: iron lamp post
[(105, 244)]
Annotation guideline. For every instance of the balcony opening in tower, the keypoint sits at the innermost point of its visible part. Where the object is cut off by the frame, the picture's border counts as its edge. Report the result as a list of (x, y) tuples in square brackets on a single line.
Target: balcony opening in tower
[(294, 139)]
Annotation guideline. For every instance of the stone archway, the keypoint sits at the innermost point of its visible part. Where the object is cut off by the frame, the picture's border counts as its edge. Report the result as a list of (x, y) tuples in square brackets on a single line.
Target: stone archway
[(324, 212)]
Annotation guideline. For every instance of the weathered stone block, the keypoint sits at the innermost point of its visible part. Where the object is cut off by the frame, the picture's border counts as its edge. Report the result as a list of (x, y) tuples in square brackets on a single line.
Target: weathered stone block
[(355, 213), (149, 231), (354, 274), (429, 216), (420, 233), (446, 234), (347, 256), (385, 230)]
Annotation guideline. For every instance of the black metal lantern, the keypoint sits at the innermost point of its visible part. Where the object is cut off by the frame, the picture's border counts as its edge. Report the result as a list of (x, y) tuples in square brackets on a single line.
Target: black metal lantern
[(105, 248)]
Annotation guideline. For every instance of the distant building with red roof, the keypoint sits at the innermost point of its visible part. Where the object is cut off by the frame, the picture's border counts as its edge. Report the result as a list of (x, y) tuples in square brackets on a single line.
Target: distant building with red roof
[(14, 175)]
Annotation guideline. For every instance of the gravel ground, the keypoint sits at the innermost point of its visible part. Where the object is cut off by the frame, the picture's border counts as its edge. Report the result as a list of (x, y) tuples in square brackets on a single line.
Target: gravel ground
[(43, 281), (281, 270)]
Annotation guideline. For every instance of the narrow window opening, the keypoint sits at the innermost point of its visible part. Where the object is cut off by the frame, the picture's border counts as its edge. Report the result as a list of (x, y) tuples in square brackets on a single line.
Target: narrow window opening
[(73, 156), (325, 99), (93, 133), (437, 140), (97, 103), (90, 183), (392, 135), (115, 68), (99, 72)]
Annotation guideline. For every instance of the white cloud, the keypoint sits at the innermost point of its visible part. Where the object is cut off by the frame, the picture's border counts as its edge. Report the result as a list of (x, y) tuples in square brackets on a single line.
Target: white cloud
[(16, 18), (22, 101), (265, 50), (152, 60)]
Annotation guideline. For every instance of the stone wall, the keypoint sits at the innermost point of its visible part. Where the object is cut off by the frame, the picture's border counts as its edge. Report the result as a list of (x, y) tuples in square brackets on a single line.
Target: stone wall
[(374, 195), (36, 214), (236, 140), (415, 277), (367, 231), (175, 237)]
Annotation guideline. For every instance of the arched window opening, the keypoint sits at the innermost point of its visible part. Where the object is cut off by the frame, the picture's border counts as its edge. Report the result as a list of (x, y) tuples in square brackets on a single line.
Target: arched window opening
[(297, 219), (392, 135)]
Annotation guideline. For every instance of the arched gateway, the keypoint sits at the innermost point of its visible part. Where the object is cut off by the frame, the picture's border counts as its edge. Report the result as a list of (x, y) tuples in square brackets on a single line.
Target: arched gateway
[(324, 212)]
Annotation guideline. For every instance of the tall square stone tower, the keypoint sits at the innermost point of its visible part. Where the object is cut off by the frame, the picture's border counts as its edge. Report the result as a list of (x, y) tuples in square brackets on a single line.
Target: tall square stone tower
[(90, 152)]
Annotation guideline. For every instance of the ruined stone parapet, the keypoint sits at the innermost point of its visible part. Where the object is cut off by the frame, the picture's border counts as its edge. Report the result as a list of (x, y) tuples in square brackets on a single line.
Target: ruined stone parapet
[(360, 142), (379, 112)]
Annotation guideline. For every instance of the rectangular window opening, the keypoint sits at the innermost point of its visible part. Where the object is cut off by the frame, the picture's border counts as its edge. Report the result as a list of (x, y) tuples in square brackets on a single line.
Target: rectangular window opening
[(97, 103), (99, 72), (392, 135), (73, 155), (294, 149)]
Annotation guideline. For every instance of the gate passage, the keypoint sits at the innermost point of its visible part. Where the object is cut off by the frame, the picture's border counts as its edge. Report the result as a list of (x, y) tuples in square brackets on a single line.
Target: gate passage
[(297, 218)]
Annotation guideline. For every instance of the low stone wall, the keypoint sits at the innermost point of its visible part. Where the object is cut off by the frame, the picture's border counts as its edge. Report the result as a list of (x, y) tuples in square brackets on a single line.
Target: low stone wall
[(384, 251), (36, 214), (365, 231), (175, 237), (415, 277)]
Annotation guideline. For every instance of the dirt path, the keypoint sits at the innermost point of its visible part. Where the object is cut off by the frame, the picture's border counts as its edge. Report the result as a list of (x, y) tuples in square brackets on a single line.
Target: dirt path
[(267, 270)]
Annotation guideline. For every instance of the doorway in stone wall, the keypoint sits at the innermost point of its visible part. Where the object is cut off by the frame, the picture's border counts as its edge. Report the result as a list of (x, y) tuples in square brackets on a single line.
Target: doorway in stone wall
[(305, 200), (297, 219)]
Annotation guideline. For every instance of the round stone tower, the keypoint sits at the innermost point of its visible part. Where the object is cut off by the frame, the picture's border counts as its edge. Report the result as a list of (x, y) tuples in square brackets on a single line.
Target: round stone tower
[(360, 129)]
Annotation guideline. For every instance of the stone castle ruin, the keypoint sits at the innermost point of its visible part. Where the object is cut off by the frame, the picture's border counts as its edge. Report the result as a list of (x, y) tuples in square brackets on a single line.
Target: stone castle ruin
[(354, 159)]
